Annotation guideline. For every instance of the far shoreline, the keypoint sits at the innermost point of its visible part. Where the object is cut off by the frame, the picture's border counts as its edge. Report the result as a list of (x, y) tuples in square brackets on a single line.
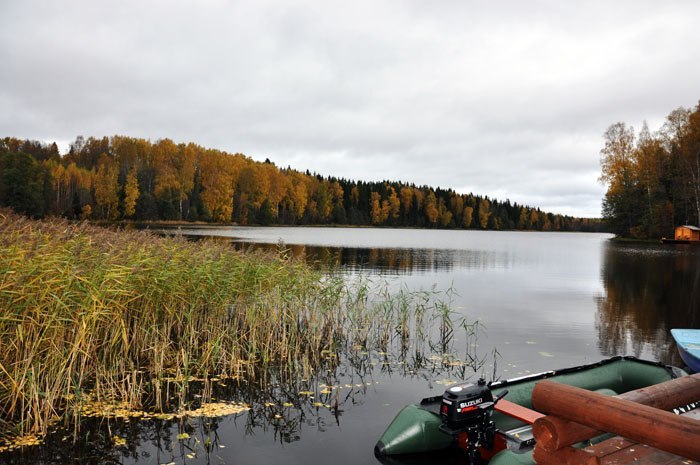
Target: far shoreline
[(206, 225)]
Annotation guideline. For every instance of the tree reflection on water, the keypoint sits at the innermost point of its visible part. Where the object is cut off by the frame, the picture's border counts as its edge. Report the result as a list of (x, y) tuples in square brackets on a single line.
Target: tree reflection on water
[(648, 290), (385, 260)]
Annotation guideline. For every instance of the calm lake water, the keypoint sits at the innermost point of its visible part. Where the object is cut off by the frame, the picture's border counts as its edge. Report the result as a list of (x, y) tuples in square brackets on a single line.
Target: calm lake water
[(545, 300)]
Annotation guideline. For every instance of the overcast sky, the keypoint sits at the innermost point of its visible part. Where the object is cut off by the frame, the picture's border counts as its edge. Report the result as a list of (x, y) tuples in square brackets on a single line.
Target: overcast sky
[(507, 99)]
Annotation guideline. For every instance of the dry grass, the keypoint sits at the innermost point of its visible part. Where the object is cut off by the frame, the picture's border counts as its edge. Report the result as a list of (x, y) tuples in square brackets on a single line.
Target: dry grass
[(122, 314), (90, 316)]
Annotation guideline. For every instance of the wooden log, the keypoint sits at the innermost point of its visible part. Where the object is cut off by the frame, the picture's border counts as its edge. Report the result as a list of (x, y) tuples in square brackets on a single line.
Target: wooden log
[(553, 432), (657, 428), (564, 456), (668, 395)]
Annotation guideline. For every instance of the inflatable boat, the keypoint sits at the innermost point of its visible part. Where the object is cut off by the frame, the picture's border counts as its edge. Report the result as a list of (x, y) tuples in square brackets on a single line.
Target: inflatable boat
[(492, 422)]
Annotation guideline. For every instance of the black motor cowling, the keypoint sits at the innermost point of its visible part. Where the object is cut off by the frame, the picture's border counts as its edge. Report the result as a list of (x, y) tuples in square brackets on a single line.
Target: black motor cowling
[(467, 408), (467, 404)]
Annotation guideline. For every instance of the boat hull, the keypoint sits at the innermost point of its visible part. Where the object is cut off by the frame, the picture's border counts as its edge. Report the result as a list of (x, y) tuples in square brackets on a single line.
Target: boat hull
[(688, 343), (415, 429)]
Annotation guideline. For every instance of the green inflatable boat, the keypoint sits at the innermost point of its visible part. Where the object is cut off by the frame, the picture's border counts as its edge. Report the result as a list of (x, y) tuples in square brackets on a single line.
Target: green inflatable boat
[(467, 417)]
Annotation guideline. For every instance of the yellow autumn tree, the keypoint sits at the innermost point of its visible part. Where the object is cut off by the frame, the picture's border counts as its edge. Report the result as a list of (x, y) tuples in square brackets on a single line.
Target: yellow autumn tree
[(394, 203), (60, 188), (523, 218), (278, 186), (534, 219), (445, 214), (174, 167), (375, 212), (431, 210), (419, 198), (298, 194), (106, 188), (324, 201), (218, 174), (253, 188), (185, 168), (484, 213), (467, 217), (131, 193)]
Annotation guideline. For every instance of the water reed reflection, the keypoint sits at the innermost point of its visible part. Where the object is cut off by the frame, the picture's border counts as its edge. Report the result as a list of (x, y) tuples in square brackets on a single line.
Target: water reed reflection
[(281, 410)]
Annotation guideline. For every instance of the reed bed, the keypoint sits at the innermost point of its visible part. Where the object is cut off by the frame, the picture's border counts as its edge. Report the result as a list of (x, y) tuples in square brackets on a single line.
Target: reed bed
[(122, 314), (132, 319)]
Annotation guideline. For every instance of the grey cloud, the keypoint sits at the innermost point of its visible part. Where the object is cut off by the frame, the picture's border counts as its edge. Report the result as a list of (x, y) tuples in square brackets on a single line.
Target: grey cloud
[(506, 99)]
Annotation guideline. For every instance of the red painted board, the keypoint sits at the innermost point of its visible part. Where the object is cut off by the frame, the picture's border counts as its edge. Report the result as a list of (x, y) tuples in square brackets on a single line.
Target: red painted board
[(518, 411)]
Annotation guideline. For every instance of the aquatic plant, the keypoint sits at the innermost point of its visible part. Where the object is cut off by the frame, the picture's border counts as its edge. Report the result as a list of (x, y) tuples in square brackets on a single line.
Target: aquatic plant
[(94, 319), (127, 315)]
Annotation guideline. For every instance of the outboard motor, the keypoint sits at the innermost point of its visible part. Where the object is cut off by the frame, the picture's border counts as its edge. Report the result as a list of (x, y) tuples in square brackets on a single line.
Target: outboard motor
[(467, 408)]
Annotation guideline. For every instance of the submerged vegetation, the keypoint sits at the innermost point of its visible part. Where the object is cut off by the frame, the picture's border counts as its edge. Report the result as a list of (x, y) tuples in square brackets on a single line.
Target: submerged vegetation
[(105, 321)]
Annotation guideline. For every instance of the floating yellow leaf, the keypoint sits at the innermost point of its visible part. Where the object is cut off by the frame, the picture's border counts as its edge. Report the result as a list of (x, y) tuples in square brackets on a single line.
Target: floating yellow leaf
[(182, 436), (445, 382), (117, 441), (21, 441), (216, 409)]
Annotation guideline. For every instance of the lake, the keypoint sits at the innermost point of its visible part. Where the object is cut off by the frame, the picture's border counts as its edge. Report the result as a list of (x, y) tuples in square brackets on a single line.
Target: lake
[(543, 301)]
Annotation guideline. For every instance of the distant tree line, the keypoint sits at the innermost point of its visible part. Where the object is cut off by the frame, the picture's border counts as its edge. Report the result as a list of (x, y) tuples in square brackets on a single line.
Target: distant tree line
[(653, 179), (124, 178)]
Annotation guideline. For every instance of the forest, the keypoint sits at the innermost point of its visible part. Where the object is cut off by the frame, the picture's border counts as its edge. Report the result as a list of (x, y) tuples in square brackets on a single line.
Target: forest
[(653, 180), (123, 178)]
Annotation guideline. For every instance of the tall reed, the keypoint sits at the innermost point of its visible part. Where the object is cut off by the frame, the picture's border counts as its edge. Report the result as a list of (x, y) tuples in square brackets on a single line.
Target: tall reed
[(121, 314), (131, 318)]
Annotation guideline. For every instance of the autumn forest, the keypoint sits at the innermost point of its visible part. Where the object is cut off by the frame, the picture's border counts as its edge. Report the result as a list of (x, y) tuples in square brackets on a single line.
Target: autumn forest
[(653, 179), (124, 178)]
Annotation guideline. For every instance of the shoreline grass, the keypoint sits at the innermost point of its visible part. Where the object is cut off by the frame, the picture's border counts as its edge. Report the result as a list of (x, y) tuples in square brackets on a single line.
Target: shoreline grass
[(90, 315), (118, 313)]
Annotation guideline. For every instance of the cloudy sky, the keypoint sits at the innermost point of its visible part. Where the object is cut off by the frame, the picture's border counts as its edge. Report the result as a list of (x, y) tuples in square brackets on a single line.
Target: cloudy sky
[(508, 99)]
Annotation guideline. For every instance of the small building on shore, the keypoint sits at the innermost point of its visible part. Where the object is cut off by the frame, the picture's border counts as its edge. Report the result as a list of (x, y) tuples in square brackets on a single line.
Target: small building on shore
[(687, 233)]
